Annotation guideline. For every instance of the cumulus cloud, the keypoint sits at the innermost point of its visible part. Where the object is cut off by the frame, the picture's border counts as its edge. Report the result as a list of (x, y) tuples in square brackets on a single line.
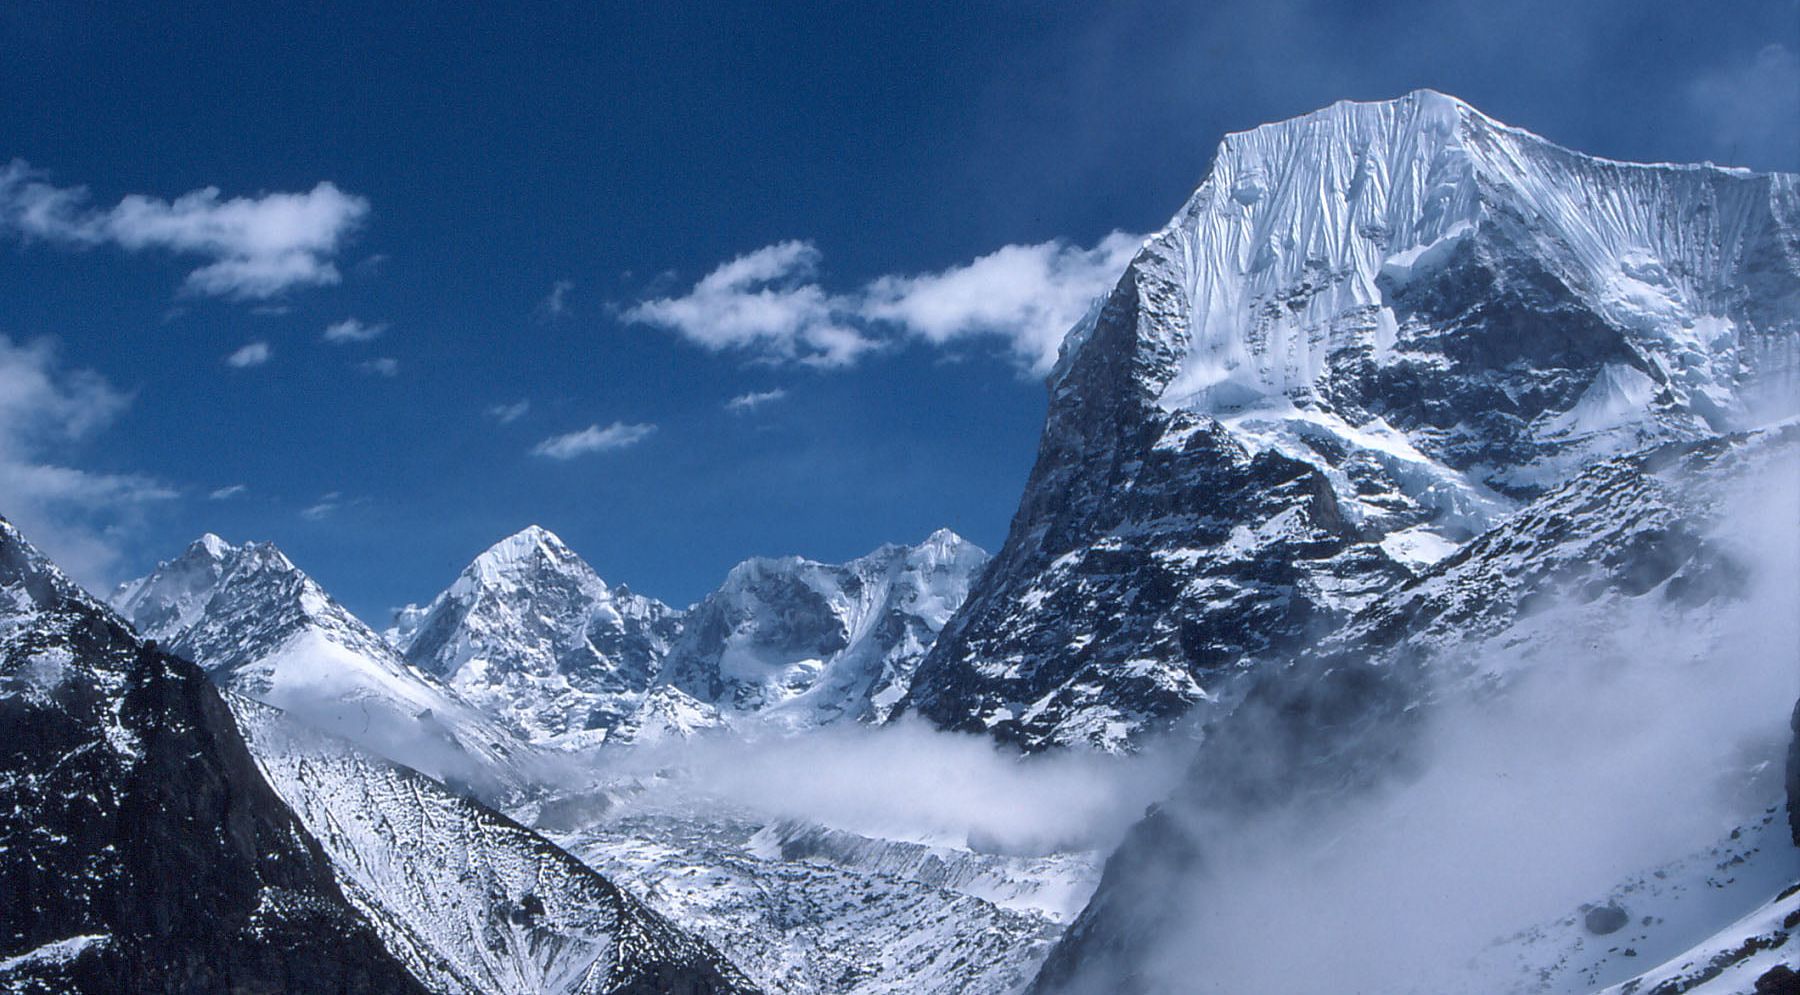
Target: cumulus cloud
[(592, 439), (252, 247), (769, 305), (556, 303), (745, 403), (250, 354), (1025, 295), (764, 304), (352, 330), (506, 414), (77, 517), (381, 366), (1752, 108)]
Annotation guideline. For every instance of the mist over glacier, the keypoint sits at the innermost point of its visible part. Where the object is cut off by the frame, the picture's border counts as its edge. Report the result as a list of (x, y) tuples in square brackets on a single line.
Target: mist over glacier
[(1605, 740), (907, 781)]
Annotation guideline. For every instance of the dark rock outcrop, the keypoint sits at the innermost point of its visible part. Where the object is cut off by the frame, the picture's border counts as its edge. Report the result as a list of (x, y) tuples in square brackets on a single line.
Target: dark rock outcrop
[(1793, 777), (140, 849)]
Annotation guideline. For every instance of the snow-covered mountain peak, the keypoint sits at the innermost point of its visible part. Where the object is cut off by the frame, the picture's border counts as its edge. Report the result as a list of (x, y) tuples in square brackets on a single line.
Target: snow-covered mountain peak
[(261, 626), (523, 558), (1371, 333), (531, 632), (212, 546), (806, 643), (1302, 245)]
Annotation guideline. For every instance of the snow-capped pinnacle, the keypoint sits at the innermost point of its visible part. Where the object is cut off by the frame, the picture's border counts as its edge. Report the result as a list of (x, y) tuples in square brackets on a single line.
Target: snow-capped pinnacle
[(1370, 334), (530, 631), (213, 546), (946, 538), (1305, 232), (530, 550)]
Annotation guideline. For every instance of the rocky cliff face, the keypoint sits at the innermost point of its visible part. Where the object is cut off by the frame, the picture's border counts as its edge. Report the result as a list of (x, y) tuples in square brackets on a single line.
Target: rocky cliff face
[(1793, 778), (1371, 334), (1638, 533), (140, 850)]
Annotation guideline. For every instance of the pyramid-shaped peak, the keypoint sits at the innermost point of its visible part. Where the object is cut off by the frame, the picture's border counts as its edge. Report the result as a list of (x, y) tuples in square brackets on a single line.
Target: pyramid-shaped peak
[(525, 543), (531, 552), (945, 537)]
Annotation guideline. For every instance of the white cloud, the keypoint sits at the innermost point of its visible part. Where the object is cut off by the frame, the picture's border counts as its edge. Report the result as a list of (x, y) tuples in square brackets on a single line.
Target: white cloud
[(506, 414), (323, 508), (1026, 295), (767, 303), (745, 403), (352, 330), (254, 247), (76, 517), (761, 304), (228, 492), (1753, 107), (250, 354), (556, 303), (381, 366), (592, 439)]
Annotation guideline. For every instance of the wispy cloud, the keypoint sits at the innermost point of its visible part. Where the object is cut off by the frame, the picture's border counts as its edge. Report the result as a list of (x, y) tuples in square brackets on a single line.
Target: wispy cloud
[(556, 303), (769, 305), (381, 366), (1753, 108), (324, 508), (228, 492), (592, 439), (254, 247), (352, 330), (506, 414), (76, 516), (746, 403), (250, 354)]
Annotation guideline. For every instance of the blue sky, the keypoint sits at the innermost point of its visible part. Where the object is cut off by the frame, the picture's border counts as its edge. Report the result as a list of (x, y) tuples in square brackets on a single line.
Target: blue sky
[(385, 287)]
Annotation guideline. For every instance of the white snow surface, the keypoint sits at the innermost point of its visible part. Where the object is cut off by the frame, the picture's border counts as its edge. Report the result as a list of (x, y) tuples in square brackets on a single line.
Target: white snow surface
[(261, 627), (1320, 204), (807, 910), (1283, 266), (468, 900)]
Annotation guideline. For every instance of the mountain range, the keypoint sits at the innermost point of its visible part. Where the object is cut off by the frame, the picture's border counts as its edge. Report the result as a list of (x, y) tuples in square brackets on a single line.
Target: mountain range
[(1418, 471)]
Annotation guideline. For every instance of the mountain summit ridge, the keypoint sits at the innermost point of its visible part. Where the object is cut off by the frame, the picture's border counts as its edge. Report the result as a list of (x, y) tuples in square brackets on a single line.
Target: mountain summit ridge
[(1370, 334)]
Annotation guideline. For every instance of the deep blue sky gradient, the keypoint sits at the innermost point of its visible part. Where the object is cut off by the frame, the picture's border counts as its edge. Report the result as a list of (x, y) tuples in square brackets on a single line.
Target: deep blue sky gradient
[(630, 148)]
